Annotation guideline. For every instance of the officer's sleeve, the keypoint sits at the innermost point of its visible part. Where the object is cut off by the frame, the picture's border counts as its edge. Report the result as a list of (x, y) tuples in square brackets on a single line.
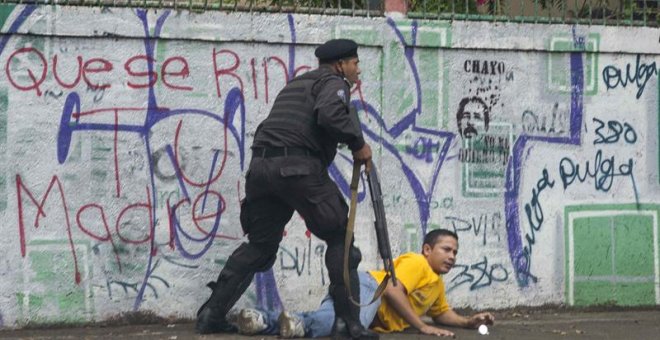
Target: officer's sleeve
[(333, 113)]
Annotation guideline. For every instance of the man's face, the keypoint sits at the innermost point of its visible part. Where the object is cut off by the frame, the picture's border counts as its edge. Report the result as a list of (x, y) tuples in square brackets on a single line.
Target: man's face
[(472, 119), (351, 69), (442, 255)]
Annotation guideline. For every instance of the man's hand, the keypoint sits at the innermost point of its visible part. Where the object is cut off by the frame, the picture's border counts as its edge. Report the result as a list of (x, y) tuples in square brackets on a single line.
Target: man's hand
[(481, 319), (430, 330), (450, 318), (363, 156)]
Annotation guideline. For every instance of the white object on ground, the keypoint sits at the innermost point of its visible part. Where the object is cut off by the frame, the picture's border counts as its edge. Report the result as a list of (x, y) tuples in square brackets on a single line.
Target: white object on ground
[(483, 329)]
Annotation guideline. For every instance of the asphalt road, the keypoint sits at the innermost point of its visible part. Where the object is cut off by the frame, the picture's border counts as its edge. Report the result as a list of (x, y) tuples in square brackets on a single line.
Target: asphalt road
[(544, 324)]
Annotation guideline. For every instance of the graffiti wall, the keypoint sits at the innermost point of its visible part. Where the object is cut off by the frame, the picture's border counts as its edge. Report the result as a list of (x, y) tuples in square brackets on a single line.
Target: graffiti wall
[(125, 135)]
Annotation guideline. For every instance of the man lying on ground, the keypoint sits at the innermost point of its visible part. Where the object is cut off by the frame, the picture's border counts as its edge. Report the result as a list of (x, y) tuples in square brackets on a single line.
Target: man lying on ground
[(420, 291)]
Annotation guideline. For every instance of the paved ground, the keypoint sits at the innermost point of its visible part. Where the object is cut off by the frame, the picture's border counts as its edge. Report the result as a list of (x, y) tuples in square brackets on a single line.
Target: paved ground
[(535, 324)]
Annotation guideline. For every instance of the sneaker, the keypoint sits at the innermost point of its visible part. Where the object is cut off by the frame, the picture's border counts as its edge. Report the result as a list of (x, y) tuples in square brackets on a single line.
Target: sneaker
[(232, 317), (291, 326), (251, 322)]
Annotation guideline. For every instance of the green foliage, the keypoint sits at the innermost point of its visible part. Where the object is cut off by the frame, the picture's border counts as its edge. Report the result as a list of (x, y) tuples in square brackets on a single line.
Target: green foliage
[(330, 4), (604, 11), (634, 12), (445, 6)]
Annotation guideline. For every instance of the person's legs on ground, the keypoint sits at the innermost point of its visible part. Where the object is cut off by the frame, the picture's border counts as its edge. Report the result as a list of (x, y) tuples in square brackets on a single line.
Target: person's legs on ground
[(263, 220), (291, 325), (318, 200), (319, 323), (368, 287), (252, 321)]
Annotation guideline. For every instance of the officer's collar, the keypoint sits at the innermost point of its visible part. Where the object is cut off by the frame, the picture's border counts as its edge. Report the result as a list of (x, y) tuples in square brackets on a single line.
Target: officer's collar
[(328, 68)]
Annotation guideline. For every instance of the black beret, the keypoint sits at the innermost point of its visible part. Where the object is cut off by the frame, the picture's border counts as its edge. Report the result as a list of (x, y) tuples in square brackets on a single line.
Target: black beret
[(336, 49)]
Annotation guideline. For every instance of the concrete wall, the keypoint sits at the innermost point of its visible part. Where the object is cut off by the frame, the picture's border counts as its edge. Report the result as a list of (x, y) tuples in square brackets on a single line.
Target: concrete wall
[(125, 134)]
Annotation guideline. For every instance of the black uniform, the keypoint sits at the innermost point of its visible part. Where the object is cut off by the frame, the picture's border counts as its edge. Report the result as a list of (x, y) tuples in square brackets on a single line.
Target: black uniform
[(291, 151), (312, 112)]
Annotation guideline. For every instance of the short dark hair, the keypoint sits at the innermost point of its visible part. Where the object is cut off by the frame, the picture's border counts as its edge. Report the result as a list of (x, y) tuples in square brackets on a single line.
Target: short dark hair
[(433, 236)]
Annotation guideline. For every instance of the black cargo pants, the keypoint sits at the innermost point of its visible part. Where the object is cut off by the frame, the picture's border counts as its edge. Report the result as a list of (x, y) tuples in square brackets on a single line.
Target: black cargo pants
[(275, 188)]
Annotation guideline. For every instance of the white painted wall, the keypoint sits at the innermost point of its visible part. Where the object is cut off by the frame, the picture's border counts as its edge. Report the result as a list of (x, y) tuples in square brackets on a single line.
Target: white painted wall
[(84, 206)]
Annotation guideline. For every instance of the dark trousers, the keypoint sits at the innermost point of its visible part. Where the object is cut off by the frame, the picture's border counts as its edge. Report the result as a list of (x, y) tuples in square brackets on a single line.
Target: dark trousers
[(275, 188)]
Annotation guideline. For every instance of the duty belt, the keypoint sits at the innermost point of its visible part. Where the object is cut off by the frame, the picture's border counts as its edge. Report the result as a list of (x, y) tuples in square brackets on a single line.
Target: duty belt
[(269, 152)]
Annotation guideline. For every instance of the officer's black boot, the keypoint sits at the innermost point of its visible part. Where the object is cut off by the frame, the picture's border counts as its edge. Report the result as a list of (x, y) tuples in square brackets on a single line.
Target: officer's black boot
[(228, 289), (347, 315)]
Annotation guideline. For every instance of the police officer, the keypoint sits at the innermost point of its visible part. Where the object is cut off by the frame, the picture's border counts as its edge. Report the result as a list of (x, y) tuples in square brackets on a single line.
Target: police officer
[(291, 152)]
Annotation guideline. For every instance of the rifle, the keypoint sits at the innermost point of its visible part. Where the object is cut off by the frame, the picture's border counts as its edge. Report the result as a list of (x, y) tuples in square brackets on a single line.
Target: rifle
[(380, 224)]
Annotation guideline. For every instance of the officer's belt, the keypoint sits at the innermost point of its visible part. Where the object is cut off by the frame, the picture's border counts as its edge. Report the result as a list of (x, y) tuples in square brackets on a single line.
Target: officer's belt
[(269, 152)]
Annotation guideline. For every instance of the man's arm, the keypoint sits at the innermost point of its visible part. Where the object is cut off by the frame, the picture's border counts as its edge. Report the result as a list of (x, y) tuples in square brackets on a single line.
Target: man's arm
[(397, 297), (451, 318)]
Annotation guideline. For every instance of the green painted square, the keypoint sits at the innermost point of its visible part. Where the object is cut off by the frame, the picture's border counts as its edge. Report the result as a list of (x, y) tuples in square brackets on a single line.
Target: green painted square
[(635, 294), (594, 293), (429, 84), (486, 179), (560, 75), (5, 12), (428, 33), (413, 239), (632, 232), (101, 148), (43, 263), (633, 247), (361, 35), (592, 240), (401, 88), (429, 39), (398, 87), (53, 294), (559, 63), (75, 151), (434, 34)]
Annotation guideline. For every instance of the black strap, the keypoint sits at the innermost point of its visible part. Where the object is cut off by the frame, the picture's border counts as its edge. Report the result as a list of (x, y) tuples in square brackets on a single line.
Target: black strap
[(347, 243)]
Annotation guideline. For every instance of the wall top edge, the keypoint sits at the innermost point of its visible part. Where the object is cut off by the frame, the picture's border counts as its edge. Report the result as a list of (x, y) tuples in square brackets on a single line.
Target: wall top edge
[(313, 29)]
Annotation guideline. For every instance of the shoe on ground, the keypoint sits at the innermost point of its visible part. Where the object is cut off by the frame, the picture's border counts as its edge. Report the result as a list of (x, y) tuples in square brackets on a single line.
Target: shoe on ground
[(251, 322), (341, 330), (291, 326), (210, 321), (232, 317)]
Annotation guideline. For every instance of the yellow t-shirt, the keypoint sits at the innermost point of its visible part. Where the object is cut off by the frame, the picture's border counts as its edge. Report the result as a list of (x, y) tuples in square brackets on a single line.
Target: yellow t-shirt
[(426, 291)]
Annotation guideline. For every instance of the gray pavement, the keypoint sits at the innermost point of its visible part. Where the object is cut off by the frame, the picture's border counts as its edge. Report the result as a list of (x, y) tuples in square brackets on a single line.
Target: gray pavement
[(535, 324)]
